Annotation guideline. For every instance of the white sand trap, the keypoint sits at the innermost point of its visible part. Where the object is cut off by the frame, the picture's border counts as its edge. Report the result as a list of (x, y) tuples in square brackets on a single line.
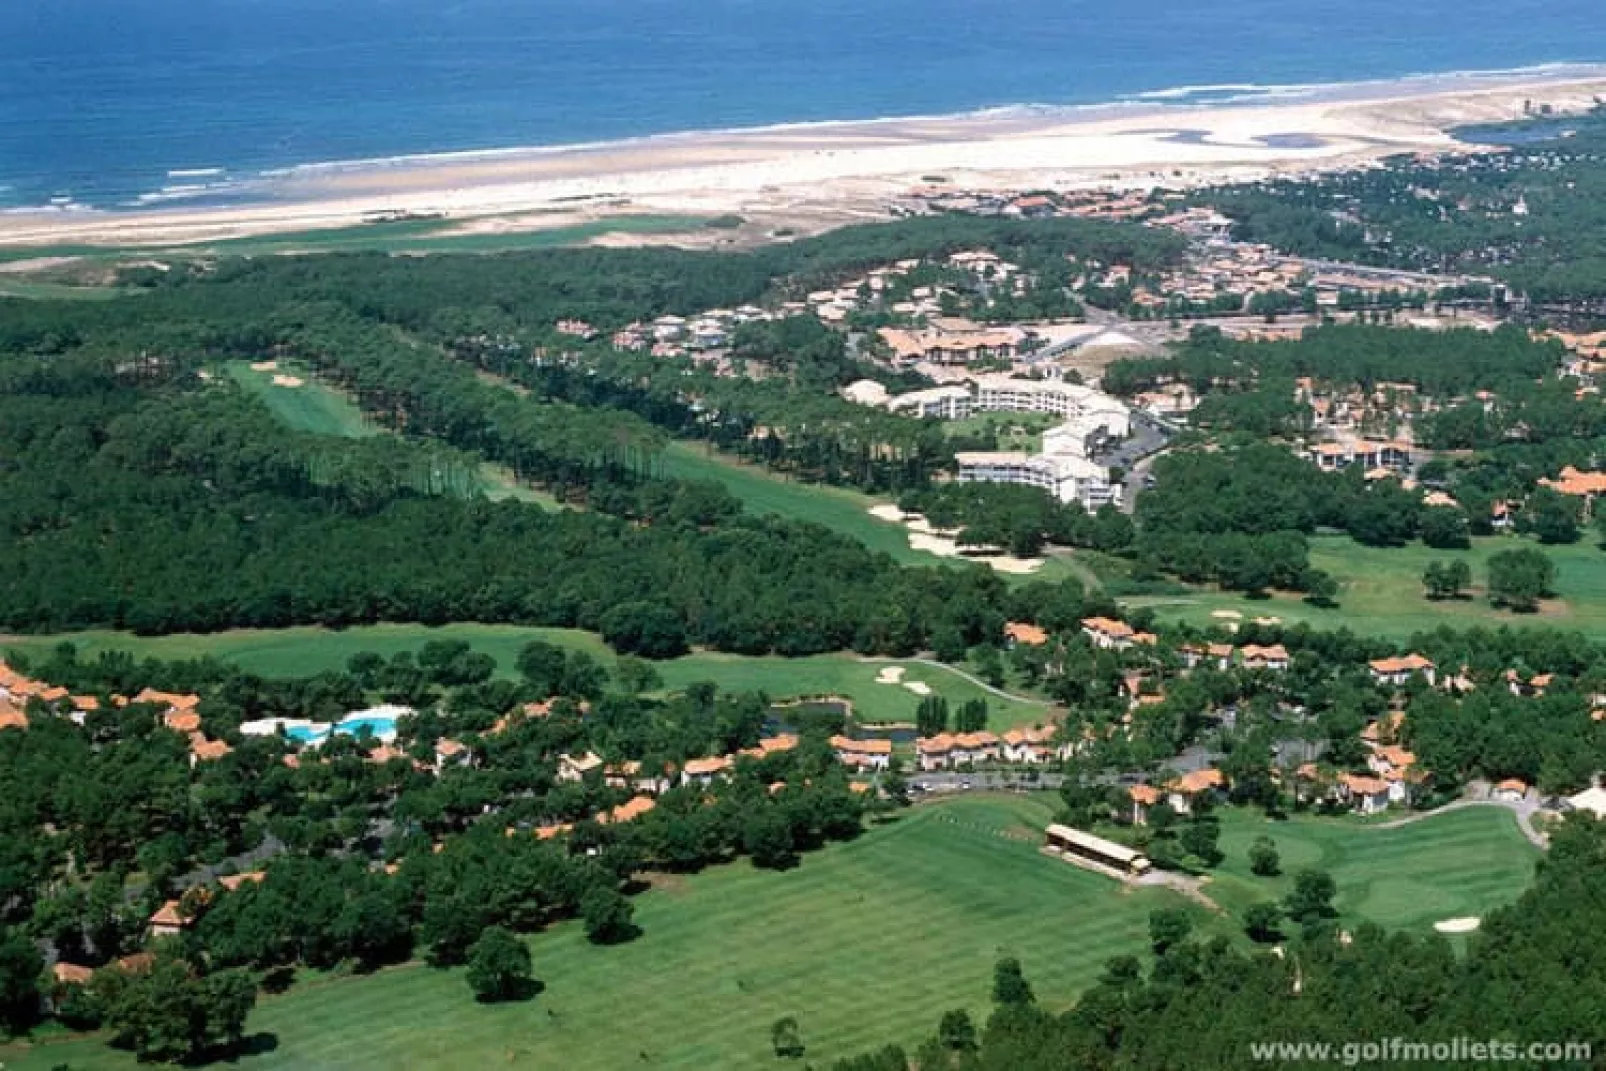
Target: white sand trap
[(918, 687), (889, 675), (264, 366), (1461, 925), (286, 381), (1232, 614), (1268, 620), (947, 548), (888, 512)]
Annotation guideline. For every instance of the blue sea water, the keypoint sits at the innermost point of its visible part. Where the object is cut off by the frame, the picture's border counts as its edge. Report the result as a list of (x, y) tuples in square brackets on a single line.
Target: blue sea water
[(108, 102)]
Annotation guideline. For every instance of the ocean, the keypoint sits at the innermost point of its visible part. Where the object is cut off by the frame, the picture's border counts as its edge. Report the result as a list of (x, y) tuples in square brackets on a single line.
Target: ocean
[(122, 103)]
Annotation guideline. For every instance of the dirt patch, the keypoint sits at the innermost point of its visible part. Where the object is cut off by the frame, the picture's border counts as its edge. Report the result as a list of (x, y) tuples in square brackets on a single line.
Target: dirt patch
[(663, 882)]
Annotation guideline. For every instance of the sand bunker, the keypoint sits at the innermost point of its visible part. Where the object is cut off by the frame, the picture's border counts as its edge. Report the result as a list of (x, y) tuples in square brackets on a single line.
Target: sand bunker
[(889, 675), (1461, 925), (1226, 614), (264, 366), (918, 687), (287, 381), (922, 536), (1268, 621)]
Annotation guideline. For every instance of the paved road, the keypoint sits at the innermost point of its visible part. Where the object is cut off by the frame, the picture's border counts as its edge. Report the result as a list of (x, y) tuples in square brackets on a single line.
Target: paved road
[(946, 781)]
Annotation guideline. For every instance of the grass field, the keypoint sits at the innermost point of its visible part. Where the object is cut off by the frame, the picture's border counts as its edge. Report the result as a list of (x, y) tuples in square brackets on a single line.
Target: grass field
[(1015, 431), (865, 943), (836, 508), (297, 652), (1381, 591), (313, 407), (1461, 863)]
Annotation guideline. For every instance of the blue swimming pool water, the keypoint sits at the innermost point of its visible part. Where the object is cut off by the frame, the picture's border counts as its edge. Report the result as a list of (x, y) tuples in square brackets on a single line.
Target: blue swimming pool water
[(382, 727)]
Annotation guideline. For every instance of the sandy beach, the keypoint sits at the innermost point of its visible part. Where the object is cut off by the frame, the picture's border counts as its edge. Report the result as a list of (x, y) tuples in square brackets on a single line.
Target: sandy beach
[(810, 177)]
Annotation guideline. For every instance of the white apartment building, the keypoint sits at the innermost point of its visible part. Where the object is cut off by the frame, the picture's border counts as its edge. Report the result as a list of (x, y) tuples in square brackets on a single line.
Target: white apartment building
[(1067, 477)]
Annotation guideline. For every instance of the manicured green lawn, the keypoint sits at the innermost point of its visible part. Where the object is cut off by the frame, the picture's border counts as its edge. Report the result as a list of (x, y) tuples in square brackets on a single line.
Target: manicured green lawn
[(864, 943), (836, 508), (1451, 865), (298, 652), (312, 407), (1381, 591)]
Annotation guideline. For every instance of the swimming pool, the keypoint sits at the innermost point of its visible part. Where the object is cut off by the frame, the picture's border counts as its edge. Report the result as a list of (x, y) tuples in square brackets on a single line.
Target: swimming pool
[(381, 722)]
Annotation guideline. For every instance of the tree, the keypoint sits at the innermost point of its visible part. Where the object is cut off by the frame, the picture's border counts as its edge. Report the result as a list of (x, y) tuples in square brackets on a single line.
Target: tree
[(1260, 921), (650, 630), (1519, 578), (767, 839), (1445, 528), (989, 664), (226, 999), (931, 715), (608, 916), (1320, 588), (636, 675), (1010, 986), (1551, 516), (1199, 840), (1263, 858), (498, 966), (785, 1039), (1168, 927), (20, 964), (1311, 898), (168, 1014), (956, 1032), (971, 716)]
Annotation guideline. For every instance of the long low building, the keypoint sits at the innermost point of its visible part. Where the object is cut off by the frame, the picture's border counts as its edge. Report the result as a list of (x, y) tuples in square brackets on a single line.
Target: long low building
[(1077, 845), (1065, 476)]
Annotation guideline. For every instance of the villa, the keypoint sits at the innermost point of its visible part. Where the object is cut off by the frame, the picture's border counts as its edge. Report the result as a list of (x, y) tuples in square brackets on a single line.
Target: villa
[(1367, 795), (862, 754), (574, 769), (1182, 792), (1397, 671)]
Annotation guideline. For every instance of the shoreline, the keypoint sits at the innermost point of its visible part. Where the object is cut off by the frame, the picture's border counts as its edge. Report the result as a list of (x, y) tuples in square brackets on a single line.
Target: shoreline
[(815, 175)]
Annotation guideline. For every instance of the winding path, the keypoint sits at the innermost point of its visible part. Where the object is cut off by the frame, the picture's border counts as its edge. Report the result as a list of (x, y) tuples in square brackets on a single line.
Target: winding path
[(1524, 810), (977, 681)]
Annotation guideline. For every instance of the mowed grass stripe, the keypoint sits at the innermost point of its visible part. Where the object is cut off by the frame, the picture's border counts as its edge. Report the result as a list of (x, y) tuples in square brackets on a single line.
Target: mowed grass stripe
[(1465, 862), (865, 943)]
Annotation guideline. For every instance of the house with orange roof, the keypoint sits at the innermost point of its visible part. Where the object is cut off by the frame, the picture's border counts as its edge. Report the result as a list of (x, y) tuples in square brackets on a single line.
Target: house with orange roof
[(706, 771), (1183, 791), (12, 716), (771, 745), (1385, 730), (1397, 671), (232, 882), (1108, 633), (1028, 746), (975, 747), (204, 750), (935, 752), (553, 829), (168, 921), (168, 700), (574, 768), (181, 721), (1367, 795), (1533, 686), (628, 811), (65, 974), (862, 754), (450, 752), (1022, 633), (1273, 658), (1585, 485), (1511, 790), (1143, 797)]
